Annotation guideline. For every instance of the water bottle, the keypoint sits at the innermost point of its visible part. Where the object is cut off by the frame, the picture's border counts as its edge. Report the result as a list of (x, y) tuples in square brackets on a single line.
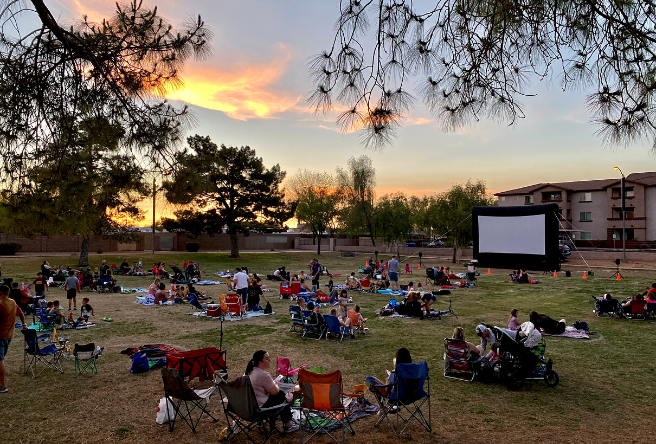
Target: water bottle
[(121, 288)]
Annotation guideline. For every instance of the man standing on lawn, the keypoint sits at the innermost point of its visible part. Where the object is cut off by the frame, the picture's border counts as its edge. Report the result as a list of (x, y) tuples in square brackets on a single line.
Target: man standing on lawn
[(72, 288), (8, 312), (393, 266), (240, 284), (316, 272)]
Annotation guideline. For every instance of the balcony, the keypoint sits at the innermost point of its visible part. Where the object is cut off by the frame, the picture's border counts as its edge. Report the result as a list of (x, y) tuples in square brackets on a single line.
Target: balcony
[(615, 219)]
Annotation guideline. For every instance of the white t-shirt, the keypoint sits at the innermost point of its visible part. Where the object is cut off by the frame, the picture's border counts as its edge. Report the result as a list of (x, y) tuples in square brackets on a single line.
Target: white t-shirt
[(240, 280), (262, 383)]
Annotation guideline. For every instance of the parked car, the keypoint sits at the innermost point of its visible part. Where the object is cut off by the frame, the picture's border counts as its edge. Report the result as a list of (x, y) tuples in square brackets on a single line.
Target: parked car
[(565, 240), (435, 243), (564, 252)]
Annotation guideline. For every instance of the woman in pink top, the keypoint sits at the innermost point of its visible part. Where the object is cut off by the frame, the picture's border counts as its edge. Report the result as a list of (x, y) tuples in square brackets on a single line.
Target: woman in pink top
[(152, 289), (513, 324), (266, 389)]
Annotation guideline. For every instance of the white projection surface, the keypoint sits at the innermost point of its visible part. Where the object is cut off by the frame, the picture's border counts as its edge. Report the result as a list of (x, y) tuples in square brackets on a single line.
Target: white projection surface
[(511, 234)]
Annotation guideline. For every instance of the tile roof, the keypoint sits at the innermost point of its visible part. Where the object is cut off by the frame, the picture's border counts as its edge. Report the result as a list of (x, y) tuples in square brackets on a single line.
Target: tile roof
[(645, 179)]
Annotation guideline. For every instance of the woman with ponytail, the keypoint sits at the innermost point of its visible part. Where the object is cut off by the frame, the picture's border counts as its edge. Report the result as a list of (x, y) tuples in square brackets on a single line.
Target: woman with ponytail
[(267, 391)]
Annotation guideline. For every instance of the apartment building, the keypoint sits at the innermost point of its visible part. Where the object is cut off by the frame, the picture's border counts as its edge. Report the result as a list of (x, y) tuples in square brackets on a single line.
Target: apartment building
[(591, 210)]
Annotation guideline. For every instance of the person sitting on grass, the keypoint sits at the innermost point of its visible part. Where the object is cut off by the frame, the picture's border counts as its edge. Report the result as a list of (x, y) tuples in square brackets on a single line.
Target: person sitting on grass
[(86, 310), (352, 282), (547, 325), (161, 297), (413, 306), (305, 288), (316, 316), (402, 357), (152, 289), (427, 300), (512, 320), (383, 283), (356, 318), (343, 303), (58, 311), (301, 303)]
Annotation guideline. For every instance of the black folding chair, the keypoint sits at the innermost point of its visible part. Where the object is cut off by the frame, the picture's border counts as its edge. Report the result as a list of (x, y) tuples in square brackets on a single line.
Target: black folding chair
[(185, 400), (50, 356), (243, 411), (405, 397)]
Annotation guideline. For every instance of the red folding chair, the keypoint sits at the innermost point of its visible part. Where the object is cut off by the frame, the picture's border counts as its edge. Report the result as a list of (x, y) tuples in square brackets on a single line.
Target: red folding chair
[(201, 363)]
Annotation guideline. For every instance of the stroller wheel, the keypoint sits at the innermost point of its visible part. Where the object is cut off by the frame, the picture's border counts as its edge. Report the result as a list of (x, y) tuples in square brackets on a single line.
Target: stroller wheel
[(551, 378)]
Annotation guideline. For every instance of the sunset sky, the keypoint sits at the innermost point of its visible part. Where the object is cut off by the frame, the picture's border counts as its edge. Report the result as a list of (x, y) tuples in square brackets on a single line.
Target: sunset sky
[(252, 90)]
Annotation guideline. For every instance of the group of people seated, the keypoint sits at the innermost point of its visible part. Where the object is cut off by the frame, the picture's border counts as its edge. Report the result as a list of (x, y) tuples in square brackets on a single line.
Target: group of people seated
[(176, 294), (350, 318), (416, 304), (521, 277)]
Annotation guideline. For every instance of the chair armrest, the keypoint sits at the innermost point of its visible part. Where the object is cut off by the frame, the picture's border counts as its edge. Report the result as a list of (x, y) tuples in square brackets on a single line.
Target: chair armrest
[(268, 409)]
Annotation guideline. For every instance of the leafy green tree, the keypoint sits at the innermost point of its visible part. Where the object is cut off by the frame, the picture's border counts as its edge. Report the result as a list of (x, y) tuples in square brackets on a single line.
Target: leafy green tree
[(393, 219), (451, 212), (420, 209), (52, 76), (318, 201), (358, 184), (226, 186), (476, 59), (86, 184)]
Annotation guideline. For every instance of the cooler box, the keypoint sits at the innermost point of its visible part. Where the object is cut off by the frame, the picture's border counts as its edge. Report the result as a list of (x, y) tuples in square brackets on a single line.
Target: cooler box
[(295, 288), (214, 310)]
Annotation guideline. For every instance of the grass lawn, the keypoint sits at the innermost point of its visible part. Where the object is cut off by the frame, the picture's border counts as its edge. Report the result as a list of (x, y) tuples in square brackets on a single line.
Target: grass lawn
[(606, 390)]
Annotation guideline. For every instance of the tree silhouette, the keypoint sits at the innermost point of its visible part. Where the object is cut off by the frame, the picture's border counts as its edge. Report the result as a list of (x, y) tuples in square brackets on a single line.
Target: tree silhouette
[(226, 186), (475, 59)]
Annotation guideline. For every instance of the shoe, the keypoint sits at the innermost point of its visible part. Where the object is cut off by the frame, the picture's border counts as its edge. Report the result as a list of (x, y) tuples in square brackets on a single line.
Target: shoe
[(292, 428), (74, 308), (4, 389), (223, 434)]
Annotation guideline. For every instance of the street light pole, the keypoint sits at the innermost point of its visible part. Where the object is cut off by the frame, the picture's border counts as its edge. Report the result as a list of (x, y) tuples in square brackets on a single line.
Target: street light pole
[(623, 191)]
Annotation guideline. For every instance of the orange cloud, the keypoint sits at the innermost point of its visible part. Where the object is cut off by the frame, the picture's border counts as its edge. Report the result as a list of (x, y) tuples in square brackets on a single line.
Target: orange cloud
[(419, 121), (242, 94)]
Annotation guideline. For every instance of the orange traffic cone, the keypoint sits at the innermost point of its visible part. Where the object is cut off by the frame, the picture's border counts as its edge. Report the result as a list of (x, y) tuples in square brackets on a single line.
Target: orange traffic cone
[(618, 277), (418, 266), (555, 274), (584, 275), (489, 271)]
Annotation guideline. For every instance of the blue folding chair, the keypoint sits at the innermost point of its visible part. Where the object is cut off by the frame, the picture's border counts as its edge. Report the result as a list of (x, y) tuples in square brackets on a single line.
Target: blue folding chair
[(297, 319), (50, 356), (404, 397), (333, 327)]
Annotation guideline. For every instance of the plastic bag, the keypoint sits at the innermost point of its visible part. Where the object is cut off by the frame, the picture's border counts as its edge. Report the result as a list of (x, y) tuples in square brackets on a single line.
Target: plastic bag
[(165, 412)]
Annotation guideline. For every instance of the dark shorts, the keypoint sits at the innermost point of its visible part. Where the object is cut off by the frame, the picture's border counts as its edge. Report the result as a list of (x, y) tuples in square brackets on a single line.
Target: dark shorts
[(71, 293), (40, 293), (393, 277), (4, 346)]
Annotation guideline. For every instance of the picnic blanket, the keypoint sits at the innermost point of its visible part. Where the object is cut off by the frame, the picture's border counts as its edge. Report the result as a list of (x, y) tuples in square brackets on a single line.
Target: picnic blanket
[(209, 282), (248, 315), (354, 409), (571, 332), (134, 290)]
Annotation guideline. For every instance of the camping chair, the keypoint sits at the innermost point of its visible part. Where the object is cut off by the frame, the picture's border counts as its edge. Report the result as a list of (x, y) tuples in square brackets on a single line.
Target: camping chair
[(233, 304), (405, 397), (229, 282), (456, 364), (310, 329), (321, 406), (177, 393), (283, 367), (85, 359), (365, 286), (243, 411), (333, 327), (203, 363), (297, 319), (49, 356), (361, 272), (193, 300), (356, 397), (636, 310)]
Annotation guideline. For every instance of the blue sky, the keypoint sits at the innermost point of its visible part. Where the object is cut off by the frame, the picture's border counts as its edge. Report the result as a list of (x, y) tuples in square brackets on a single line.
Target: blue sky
[(251, 92)]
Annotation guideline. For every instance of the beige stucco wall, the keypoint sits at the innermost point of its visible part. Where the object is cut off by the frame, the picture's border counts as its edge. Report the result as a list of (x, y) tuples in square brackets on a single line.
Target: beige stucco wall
[(650, 213)]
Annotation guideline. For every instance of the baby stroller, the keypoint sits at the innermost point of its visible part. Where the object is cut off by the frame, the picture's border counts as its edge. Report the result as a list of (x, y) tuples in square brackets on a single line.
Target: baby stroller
[(519, 363), (608, 305), (178, 275), (105, 284), (193, 272)]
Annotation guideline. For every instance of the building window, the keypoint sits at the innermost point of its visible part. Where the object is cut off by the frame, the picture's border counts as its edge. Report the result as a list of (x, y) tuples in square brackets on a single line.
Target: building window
[(586, 197), (630, 214), (586, 235), (586, 216), (528, 199), (628, 191), (503, 198), (552, 196), (515, 198)]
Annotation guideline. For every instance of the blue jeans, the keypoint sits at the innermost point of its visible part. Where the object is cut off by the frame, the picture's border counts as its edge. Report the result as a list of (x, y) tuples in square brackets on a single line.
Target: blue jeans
[(243, 292), (4, 346)]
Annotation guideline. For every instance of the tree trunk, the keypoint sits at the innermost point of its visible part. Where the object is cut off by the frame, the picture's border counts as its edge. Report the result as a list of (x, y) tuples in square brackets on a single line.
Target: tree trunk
[(84, 252), (234, 245), (455, 249), (319, 245), (398, 250), (314, 238)]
